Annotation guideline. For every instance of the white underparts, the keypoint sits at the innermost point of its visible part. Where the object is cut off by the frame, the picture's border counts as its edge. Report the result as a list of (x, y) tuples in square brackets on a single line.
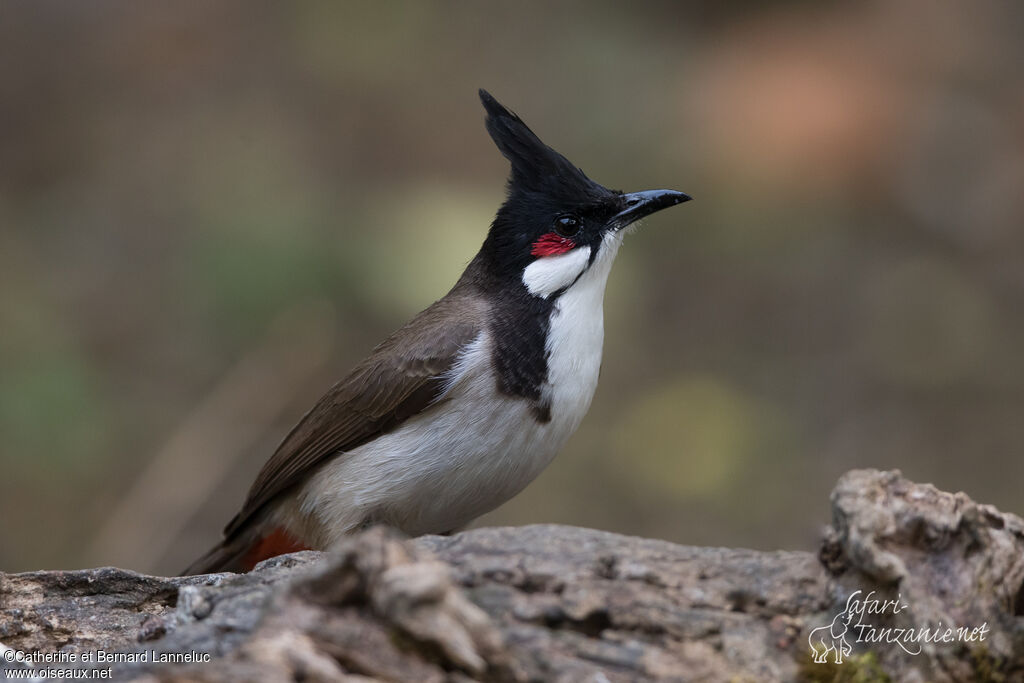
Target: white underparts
[(476, 448), (549, 274)]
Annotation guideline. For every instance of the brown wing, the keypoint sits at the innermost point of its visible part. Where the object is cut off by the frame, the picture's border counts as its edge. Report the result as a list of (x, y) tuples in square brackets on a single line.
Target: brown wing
[(402, 377)]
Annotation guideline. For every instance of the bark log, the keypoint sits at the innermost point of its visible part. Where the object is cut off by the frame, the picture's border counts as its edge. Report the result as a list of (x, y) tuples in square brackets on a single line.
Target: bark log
[(555, 603)]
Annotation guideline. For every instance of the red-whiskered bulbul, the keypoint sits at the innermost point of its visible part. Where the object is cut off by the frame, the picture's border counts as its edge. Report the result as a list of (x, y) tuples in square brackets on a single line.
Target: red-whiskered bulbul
[(463, 407)]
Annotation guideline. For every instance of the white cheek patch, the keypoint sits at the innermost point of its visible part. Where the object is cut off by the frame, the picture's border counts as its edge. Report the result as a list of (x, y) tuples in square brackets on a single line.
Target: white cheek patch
[(549, 274)]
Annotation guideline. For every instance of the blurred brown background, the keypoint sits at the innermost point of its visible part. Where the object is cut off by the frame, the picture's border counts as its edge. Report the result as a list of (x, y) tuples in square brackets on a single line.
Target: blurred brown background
[(210, 210)]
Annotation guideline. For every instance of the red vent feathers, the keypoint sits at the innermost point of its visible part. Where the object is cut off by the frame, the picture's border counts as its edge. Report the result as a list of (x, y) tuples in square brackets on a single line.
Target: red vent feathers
[(277, 542)]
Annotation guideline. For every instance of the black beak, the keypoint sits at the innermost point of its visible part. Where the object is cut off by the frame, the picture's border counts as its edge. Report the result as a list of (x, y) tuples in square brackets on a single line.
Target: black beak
[(640, 204)]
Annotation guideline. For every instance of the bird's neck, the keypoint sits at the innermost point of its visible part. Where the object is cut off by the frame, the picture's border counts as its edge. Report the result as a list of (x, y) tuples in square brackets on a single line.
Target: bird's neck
[(531, 332)]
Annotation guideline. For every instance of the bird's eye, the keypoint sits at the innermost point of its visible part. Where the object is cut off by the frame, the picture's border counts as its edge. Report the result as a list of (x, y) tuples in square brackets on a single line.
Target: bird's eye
[(567, 225)]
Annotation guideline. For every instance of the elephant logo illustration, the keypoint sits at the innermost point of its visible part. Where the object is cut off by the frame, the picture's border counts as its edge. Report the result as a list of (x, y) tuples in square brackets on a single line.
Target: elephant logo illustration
[(831, 638)]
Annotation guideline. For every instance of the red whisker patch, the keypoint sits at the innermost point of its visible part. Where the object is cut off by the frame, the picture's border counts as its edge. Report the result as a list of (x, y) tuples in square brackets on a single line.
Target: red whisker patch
[(552, 244)]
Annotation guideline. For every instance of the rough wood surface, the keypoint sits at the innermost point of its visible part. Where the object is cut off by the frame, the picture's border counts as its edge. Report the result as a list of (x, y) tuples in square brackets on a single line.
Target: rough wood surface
[(554, 603)]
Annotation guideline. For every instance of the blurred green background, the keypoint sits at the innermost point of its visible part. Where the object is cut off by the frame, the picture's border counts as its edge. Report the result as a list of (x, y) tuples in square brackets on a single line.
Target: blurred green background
[(210, 210)]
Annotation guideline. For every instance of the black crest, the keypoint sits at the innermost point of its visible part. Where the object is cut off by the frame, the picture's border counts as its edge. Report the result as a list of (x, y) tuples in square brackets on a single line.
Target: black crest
[(535, 166)]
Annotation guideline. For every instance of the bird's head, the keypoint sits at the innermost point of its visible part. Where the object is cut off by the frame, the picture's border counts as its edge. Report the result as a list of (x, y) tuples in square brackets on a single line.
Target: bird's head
[(556, 223)]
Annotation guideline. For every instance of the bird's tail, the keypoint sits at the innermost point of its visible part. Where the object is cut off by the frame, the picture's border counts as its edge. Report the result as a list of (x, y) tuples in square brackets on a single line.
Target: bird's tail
[(244, 549)]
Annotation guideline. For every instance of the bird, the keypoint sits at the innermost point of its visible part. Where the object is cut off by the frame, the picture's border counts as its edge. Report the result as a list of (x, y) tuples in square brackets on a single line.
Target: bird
[(460, 409)]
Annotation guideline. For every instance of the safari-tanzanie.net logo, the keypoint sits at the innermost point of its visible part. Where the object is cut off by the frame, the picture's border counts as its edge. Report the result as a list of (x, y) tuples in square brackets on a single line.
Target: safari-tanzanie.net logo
[(860, 622)]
